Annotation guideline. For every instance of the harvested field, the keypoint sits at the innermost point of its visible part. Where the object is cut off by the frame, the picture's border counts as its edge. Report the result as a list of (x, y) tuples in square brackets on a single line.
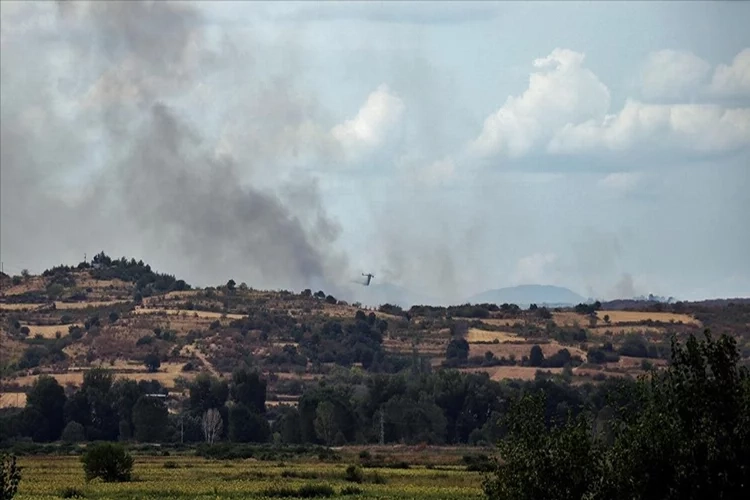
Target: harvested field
[(569, 319), (84, 305), (520, 350), (13, 400), (165, 378), (624, 330), (20, 307), (519, 372), (186, 313), (501, 322), (477, 335), (49, 331), (616, 317)]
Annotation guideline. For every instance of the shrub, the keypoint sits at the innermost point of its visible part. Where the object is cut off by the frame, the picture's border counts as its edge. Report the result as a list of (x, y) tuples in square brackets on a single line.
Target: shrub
[(71, 492), (145, 340), (354, 474), (170, 464), (305, 491), (351, 490), (73, 433), (299, 474), (376, 478), (10, 476), (152, 362), (365, 455), (108, 461)]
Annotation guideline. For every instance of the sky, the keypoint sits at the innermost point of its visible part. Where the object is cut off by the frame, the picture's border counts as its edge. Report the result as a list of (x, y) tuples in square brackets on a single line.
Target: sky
[(448, 148)]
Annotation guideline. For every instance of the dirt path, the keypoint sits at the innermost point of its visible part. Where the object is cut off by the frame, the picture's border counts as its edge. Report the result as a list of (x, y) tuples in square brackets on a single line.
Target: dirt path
[(198, 354)]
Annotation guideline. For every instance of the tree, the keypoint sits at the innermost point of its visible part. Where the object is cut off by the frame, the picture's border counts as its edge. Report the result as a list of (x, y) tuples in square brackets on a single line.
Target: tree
[(207, 392), (457, 349), (536, 356), (607, 319), (152, 362), (246, 426), (231, 285), (55, 290), (108, 461), (556, 464), (325, 422), (211, 425), (693, 427), (288, 426), (47, 397), (25, 274), (150, 419), (73, 433), (10, 476), (248, 389), (682, 433), (94, 405)]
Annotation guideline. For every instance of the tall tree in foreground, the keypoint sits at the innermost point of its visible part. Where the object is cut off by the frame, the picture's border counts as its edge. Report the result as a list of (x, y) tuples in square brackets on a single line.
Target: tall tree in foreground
[(689, 439)]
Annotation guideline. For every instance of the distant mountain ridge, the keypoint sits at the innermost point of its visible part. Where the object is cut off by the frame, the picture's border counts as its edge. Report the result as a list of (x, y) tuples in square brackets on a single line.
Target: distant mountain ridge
[(523, 295)]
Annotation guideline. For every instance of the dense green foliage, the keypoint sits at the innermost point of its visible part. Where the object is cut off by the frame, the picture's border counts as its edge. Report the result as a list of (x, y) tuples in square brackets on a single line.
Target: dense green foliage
[(683, 433), (10, 476), (108, 461)]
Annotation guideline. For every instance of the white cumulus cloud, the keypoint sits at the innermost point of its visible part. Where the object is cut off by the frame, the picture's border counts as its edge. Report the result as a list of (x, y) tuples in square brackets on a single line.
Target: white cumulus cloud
[(673, 74), (370, 127), (561, 91), (701, 128), (733, 79)]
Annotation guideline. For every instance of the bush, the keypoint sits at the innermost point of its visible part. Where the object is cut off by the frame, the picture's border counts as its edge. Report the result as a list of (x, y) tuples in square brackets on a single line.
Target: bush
[(145, 340), (305, 491), (351, 490), (170, 464), (73, 433), (108, 461), (354, 474), (10, 476), (71, 492)]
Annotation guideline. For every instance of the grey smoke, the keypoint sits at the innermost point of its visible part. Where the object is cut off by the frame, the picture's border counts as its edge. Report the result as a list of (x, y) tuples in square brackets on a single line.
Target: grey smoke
[(160, 189)]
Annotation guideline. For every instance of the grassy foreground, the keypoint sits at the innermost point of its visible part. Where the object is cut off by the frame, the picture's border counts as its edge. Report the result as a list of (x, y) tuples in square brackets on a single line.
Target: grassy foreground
[(47, 477)]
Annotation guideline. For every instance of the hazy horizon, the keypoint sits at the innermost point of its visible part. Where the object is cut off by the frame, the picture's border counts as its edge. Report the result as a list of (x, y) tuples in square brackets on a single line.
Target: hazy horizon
[(448, 148)]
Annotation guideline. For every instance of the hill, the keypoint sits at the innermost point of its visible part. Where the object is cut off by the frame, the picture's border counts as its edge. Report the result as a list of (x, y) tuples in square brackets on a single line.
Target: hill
[(523, 295), (378, 294)]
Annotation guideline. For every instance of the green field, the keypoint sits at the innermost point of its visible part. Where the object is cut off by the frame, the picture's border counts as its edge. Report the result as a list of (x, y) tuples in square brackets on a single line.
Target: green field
[(46, 477)]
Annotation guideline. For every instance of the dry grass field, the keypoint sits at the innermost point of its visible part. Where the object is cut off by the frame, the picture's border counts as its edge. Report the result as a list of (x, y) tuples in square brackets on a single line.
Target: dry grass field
[(519, 372), (49, 331), (616, 317), (13, 400), (186, 313), (624, 330), (569, 319), (20, 307), (477, 335), (92, 303), (500, 322), (166, 375), (519, 350)]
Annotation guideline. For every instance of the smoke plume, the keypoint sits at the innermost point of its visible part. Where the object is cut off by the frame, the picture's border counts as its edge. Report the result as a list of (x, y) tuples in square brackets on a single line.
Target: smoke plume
[(108, 158)]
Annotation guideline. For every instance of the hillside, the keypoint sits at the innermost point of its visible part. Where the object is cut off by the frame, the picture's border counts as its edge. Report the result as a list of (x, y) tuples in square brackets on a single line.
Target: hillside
[(524, 295), (120, 314)]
